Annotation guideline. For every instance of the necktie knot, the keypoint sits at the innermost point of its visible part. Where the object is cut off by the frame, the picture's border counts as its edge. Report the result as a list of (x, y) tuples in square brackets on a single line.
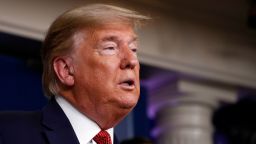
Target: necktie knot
[(102, 138)]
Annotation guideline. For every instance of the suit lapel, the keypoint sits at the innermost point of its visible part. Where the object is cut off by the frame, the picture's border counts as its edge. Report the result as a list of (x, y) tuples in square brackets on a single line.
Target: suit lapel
[(57, 127)]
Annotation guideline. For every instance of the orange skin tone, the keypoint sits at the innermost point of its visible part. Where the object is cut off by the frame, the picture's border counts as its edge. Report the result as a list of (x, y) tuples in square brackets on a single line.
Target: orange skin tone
[(94, 79)]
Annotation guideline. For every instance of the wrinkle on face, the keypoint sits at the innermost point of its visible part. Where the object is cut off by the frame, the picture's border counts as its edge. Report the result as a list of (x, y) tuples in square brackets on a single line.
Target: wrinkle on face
[(99, 70)]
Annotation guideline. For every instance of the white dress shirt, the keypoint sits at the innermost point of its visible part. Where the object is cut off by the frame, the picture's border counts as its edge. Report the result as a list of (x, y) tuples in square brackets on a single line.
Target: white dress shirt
[(85, 129)]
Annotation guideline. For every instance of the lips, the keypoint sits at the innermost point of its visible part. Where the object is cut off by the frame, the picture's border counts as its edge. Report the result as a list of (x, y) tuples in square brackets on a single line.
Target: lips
[(127, 84)]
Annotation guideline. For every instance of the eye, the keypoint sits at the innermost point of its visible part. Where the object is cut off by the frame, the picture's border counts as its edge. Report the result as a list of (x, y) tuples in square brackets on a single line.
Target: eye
[(108, 48), (133, 47), (134, 50)]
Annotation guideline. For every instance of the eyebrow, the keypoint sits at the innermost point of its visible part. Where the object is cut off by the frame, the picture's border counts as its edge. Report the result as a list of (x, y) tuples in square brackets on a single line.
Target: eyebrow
[(115, 38)]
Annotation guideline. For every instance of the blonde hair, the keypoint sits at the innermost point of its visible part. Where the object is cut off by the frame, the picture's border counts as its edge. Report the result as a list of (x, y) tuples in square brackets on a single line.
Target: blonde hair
[(59, 39)]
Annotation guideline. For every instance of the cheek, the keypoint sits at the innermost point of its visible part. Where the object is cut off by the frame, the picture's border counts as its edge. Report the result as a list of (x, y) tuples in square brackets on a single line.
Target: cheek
[(104, 73), (137, 73), (108, 68)]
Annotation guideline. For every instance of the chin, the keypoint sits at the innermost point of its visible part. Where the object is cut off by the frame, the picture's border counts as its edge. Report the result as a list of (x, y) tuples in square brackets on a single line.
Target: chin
[(124, 110), (128, 104), (127, 101)]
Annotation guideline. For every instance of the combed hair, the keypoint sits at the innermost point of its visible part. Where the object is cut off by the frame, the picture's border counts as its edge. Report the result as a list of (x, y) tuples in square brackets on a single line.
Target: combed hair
[(59, 39)]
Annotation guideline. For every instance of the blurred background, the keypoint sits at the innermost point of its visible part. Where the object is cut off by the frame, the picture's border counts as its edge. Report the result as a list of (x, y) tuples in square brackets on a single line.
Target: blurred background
[(198, 67)]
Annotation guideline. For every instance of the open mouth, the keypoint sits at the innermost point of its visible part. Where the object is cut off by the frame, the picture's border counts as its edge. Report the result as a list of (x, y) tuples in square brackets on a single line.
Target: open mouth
[(127, 84)]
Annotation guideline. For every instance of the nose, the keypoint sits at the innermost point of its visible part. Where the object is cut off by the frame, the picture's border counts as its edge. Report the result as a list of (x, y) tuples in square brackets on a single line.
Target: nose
[(129, 59)]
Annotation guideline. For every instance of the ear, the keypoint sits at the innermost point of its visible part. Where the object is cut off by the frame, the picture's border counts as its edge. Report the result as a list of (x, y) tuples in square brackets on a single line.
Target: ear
[(64, 70)]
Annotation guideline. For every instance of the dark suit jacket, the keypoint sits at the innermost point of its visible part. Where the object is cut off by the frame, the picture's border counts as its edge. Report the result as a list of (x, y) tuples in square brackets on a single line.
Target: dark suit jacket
[(49, 126)]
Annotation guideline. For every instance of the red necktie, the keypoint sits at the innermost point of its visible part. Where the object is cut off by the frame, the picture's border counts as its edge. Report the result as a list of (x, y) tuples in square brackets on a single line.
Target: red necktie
[(102, 138)]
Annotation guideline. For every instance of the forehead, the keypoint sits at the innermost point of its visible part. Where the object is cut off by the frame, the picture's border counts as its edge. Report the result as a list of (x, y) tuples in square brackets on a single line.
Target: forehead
[(112, 31), (107, 32)]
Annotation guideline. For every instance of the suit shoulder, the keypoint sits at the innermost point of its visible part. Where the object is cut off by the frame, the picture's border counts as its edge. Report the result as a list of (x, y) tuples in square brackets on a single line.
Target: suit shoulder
[(21, 128)]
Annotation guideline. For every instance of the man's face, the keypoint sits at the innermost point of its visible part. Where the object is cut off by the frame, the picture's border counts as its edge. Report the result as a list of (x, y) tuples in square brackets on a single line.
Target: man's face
[(106, 71)]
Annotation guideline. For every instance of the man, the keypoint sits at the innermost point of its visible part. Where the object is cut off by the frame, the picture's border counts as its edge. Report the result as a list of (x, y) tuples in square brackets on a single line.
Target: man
[(91, 74)]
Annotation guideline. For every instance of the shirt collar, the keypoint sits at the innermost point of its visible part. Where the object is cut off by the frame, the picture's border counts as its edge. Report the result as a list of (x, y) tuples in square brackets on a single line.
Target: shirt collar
[(85, 129)]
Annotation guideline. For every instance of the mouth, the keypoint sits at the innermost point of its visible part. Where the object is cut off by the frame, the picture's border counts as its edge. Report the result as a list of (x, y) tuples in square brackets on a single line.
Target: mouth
[(128, 84)]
